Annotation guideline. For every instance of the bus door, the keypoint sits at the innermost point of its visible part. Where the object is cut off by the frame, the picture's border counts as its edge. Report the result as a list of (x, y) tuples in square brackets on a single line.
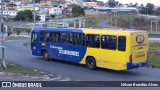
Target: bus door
[(34, 43), (108, 51), (45, 41)]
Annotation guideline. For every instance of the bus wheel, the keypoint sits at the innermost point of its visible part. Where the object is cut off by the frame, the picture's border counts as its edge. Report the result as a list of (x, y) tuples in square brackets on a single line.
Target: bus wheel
[(91, 63), (45, 55)]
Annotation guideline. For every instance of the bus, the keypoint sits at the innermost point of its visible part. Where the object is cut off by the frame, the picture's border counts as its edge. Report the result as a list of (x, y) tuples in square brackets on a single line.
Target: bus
[(111, 49)]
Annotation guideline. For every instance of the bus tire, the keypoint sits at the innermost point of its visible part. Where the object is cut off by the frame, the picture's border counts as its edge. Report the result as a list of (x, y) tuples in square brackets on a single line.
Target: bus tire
[(45, 55), (91, 63)]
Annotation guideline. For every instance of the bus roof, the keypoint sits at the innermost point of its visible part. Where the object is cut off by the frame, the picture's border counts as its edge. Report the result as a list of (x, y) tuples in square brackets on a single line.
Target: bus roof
[(87, 30), (57, 29)]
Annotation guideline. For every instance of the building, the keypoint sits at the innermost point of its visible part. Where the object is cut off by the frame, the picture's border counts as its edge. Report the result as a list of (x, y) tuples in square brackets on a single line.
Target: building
[(91, 4), (116, 10), (78, 2), (55, 11), (54, 2), (10, 13), (28, 7), (42, 18)]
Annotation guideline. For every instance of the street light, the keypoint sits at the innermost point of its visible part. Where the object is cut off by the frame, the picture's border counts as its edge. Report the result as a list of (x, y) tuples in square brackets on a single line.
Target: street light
[(2, 37)]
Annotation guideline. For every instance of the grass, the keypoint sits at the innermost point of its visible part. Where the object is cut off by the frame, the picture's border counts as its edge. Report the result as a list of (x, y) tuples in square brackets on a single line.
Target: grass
[(21, 29), (154, 54), (20, 70), (154, 35), (16, 38), (92, 23)]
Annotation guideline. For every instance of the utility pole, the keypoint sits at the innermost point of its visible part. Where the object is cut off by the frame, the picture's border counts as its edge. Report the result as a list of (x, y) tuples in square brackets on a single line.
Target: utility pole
[(3, 60), (34, 16), (117, 19)]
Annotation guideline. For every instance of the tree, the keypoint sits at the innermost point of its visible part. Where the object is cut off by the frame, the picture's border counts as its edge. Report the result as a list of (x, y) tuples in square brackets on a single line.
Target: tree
[(117, 3), (37, 1), (18, 32), (6, 0), (20, 15), (87, 0), (10, 32), (141, 5), (136, 4), (111, 3), (38, 18), (149, 8), (28, 31), (157, 11), (78, 11), (120, 4), (24, 15), (142, 10), (52, 15)]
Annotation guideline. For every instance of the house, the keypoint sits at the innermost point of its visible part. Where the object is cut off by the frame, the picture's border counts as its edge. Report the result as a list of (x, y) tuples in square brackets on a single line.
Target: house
[(11, 7), (42, 17), (55, 11), (77, 2), (116, 10), (55, 2), (28, 7), (90, 4), (10, 13)]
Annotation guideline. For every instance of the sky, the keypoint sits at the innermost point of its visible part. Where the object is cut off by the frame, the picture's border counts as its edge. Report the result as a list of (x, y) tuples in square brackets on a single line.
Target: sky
[(155, 2)]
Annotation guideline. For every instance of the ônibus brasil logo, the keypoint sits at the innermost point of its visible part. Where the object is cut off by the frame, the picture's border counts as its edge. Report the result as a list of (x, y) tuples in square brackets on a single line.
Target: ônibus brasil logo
[(140, 39)]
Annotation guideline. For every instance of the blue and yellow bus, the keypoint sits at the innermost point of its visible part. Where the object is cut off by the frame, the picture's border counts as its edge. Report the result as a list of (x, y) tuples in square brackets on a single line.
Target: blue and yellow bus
[(111, 49)]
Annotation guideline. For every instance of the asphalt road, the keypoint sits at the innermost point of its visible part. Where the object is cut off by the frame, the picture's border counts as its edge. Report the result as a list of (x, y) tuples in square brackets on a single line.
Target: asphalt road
[(18, 54)]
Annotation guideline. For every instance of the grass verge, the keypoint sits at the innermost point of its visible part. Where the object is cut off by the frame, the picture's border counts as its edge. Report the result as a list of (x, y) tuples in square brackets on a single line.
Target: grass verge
[(20, 70), (154, 54), (154, 35), (16, 38)]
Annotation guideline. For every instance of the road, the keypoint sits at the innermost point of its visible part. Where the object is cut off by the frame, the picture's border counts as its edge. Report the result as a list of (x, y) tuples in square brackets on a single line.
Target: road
[(154, 39), (18, 54)]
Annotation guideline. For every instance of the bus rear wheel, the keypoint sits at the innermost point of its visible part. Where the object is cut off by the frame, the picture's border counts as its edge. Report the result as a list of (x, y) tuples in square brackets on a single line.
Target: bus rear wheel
[(91, 63), (45, 55)]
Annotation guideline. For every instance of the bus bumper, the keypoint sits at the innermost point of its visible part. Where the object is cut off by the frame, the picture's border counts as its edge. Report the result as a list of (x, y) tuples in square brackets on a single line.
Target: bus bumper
[(132, 66), (36, 53)]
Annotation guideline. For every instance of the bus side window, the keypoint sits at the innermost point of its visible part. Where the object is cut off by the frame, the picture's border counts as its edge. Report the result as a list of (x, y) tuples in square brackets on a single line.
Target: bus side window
[(50, 37), (79, 39), (45, 36), (70, 40), (64, 38), (109, 42), (93, 41), (122, 43), (55, 37)]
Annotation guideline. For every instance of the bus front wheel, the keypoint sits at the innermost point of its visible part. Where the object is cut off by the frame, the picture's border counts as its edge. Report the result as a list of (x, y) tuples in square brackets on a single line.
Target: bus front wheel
[(91, 63), (45, 55)]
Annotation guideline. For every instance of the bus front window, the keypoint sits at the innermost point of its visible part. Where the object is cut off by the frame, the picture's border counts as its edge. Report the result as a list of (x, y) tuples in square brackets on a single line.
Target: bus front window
[(34, 39)]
